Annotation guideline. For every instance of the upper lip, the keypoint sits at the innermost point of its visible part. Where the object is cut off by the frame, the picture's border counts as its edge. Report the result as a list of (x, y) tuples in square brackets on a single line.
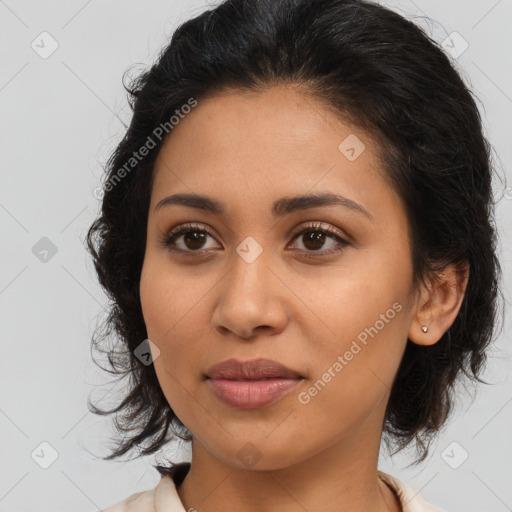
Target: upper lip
[(253, 369)]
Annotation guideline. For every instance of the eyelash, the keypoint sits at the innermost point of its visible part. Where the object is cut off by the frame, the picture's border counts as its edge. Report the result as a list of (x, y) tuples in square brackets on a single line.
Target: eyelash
[(170, 237)]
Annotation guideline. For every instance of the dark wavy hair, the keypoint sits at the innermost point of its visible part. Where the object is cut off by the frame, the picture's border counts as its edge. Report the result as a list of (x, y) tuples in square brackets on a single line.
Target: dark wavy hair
[(381, 73)]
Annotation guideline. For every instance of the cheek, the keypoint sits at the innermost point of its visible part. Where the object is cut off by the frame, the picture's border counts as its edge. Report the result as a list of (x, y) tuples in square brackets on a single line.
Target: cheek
[(358, 337), (174, 320), (353, 379), (165, 304), (362, 300), (167, 297)]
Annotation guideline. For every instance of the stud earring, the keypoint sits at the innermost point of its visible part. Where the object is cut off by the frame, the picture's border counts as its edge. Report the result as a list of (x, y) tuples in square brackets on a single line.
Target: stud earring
[(424, 328)]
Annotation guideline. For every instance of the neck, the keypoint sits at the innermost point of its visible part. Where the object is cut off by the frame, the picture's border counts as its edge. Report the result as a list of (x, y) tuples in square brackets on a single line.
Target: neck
[(341, 478)]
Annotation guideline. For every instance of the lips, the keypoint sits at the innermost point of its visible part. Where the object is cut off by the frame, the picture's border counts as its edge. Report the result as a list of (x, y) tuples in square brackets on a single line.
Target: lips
[(251, 384), (255, 369)]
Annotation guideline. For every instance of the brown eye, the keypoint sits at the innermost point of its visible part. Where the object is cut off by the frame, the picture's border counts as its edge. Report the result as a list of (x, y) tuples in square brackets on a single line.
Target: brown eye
[(314, 240), (314, 237), (193, 239)]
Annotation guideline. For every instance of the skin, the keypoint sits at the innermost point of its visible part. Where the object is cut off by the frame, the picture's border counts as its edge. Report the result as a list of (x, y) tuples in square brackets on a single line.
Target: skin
[(248, 149)]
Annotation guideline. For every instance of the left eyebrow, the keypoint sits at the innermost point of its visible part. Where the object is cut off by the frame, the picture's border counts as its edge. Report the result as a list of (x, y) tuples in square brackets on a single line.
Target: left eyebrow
[(280, 207)]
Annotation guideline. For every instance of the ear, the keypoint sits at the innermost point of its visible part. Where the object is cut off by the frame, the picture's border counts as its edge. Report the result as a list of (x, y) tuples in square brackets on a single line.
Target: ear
[(439, 304)]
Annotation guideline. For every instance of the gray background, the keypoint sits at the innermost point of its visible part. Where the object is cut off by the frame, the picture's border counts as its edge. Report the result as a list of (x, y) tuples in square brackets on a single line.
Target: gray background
[(60, 118)]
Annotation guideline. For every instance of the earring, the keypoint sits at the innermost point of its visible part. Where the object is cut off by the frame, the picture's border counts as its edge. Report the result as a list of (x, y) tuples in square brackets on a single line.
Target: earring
[(424, 328)]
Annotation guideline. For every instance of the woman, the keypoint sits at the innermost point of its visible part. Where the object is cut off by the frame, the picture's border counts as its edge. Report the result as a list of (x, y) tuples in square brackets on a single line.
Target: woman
[(297, 234)]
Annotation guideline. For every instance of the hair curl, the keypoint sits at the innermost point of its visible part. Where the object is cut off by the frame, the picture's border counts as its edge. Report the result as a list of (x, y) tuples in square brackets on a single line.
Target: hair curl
[(382, 73)]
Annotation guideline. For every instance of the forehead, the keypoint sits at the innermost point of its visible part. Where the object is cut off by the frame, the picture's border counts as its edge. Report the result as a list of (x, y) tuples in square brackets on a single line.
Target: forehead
[(243, 146), (279, 118)]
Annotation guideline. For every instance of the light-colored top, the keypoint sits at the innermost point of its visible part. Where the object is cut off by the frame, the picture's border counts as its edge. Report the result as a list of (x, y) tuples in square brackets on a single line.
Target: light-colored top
[(165, 498)]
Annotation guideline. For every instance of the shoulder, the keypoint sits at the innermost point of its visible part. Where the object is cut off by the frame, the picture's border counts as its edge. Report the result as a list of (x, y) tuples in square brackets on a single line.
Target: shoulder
[(163, 498), (139, 502), (410, 498)]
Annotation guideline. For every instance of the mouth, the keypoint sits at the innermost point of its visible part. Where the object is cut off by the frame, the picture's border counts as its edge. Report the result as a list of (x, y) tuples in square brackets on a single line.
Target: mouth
[(252, 393), (255, 379), (251, 384), (254, 369)]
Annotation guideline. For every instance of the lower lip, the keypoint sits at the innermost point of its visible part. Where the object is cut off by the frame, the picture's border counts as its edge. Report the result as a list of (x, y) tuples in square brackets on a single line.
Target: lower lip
[(252, 394)]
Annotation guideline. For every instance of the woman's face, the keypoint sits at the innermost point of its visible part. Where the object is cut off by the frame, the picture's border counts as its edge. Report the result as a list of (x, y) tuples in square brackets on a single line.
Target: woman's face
[(252, 287)]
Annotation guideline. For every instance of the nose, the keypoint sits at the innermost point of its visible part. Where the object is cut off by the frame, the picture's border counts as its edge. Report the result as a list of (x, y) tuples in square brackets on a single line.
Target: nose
[(251, 298)]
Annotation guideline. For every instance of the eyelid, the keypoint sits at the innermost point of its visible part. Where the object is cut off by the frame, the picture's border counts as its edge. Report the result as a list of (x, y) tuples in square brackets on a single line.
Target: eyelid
[(321, 226), (190, 225)]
